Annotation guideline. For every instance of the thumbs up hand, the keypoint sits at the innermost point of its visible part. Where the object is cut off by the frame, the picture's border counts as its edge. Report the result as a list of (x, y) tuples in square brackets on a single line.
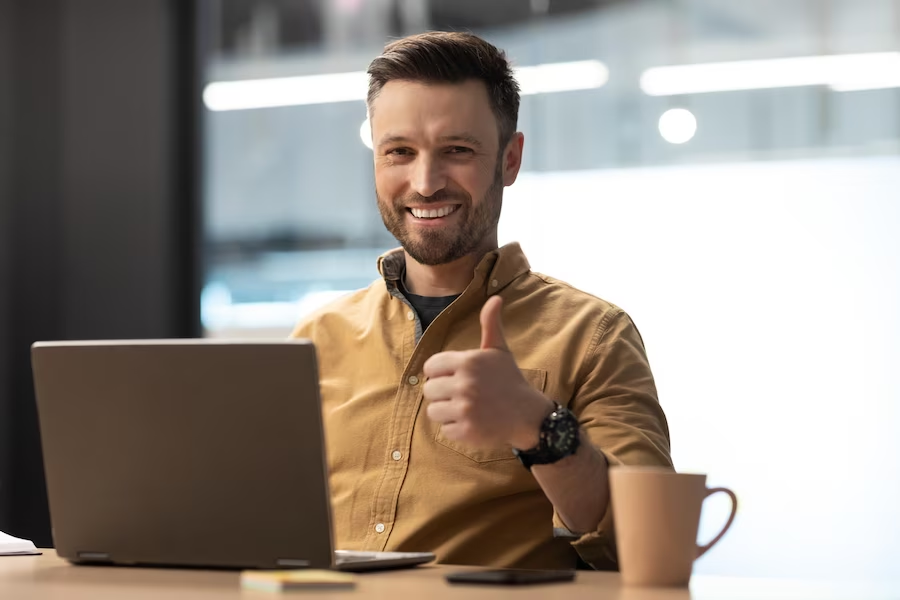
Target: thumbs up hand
[(492, 325), (479, 396)]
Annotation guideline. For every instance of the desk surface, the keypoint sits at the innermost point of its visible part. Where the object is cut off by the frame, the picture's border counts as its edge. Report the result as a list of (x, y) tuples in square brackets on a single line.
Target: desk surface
[(48, 577)]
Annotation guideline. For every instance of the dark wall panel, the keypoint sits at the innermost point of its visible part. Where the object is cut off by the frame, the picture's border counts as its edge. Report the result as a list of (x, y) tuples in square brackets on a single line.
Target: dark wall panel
[(5, 249), (35, 283), (118, 250), (97, 199)]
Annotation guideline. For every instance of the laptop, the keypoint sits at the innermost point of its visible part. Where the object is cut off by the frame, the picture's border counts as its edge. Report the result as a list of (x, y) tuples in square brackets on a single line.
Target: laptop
[(194, 453)]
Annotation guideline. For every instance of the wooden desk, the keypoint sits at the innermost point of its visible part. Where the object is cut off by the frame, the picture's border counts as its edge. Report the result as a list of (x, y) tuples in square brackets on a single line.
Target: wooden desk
[(48, 577)]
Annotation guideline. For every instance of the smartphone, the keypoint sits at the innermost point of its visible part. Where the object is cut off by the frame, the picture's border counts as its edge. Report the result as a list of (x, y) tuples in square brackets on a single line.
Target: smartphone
[(510, 576)]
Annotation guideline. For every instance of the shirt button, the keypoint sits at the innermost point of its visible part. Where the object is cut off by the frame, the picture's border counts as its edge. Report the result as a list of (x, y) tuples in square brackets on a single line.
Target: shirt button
[(410, 316), (379, 528), (413, 380), (495, 283), (396, 455)]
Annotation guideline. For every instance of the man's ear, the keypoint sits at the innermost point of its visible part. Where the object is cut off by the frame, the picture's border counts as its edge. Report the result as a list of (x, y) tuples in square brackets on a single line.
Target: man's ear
[(512, 158)]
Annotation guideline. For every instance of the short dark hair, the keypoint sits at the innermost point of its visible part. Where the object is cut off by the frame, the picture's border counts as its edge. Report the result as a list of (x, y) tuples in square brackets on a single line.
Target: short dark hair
[(451, 57)]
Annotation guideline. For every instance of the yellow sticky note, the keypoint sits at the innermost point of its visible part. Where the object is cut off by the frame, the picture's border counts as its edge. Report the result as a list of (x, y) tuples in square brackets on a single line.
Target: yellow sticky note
[(281, 581)]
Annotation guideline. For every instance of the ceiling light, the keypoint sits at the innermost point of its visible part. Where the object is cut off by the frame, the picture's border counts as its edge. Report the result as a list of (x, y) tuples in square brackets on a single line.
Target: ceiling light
[(365, 134), (677, 125), (561, 77), (353, 86), (286, 91), (837, 71)]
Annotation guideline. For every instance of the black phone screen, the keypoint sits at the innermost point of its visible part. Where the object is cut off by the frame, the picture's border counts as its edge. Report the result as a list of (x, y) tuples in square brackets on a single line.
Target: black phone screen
[(510, 576)]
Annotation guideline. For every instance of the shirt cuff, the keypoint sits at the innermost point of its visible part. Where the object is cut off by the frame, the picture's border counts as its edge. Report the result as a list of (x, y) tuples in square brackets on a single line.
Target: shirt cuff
[(597, 548)]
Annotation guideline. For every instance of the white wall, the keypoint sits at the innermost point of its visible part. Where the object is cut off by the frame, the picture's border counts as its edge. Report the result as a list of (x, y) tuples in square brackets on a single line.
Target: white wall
[(768, 297)]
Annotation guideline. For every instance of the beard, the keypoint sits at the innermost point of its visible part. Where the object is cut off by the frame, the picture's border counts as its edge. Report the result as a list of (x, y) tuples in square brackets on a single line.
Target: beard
[(439, 246)]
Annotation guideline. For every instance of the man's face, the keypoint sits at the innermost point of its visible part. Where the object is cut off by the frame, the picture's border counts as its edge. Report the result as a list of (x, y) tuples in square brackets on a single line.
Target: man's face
[(439, 174)]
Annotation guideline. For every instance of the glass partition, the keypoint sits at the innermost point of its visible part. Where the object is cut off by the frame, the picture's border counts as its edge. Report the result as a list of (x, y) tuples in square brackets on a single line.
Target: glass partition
[(726, 171)]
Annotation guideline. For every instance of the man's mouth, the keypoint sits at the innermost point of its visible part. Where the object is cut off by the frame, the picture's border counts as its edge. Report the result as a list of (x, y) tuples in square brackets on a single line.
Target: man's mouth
[(433, 213)]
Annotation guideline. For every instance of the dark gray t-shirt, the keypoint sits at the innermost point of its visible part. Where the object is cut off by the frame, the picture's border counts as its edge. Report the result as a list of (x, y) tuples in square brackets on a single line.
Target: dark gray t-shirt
[(427, 307)]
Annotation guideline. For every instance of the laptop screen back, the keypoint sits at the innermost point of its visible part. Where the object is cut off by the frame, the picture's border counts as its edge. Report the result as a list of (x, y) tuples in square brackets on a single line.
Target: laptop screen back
[(194, 452)]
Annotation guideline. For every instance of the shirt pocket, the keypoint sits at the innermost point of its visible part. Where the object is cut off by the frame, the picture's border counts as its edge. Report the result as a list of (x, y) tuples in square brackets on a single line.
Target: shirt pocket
[(537, 379)]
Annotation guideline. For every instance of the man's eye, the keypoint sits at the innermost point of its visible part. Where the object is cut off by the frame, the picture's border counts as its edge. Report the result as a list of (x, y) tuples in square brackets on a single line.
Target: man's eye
[(460, 150), (399, 152)]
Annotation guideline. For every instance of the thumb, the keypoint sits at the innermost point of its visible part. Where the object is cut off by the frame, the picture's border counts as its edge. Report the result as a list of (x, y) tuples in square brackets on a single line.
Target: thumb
[(492, 326)]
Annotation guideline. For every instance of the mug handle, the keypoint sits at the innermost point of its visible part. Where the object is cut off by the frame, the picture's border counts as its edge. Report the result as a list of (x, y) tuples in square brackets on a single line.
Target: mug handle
[(701, 550)]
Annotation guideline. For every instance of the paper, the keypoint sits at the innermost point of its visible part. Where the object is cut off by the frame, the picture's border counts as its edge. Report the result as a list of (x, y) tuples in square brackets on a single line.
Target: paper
[(10, 546)]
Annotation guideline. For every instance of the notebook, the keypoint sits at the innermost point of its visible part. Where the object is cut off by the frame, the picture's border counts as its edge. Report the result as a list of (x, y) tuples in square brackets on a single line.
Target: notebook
[(202, 453), (10, 546)]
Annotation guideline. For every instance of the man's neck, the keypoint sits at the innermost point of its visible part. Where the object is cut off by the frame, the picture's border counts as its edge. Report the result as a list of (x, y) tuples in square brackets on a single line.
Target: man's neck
[(448, 279)]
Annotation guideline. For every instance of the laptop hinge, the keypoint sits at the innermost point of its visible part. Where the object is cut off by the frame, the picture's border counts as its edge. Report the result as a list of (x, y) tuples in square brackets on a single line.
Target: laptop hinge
[(292, 562)]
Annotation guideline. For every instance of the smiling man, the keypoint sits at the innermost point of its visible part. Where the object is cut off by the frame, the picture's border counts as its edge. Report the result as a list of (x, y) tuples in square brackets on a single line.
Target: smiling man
[(472, 406)]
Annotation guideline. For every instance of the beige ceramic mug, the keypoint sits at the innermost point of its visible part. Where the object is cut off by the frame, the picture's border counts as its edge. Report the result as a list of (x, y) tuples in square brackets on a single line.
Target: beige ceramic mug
[(657, 514)]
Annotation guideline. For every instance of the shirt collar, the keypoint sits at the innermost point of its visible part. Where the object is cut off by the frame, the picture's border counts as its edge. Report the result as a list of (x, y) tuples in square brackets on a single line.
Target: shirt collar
[(496, 270), (391, 264)]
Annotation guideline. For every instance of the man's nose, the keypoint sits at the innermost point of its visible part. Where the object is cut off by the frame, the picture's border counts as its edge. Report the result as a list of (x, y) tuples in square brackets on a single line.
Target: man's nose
[(428, 176)]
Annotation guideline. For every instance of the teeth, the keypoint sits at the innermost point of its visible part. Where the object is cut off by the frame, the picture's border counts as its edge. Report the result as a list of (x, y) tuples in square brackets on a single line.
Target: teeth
[(432, 214)]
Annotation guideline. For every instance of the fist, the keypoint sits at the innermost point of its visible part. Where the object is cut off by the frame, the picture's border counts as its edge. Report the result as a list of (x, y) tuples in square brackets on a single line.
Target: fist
[(479, 396)]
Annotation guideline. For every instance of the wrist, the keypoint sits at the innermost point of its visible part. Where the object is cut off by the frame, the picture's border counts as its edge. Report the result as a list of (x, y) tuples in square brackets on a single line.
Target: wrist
[(558, 437), (528, 434)]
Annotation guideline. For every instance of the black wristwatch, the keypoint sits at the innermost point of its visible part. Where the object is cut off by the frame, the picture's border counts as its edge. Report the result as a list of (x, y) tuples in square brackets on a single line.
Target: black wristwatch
[(558, 439)]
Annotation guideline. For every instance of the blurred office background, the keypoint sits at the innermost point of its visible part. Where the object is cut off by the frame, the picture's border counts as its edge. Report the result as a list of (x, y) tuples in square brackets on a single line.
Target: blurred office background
[(726, 171)]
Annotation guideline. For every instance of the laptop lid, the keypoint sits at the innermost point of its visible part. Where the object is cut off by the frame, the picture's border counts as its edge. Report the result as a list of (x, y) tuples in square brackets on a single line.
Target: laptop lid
[(185, 452)]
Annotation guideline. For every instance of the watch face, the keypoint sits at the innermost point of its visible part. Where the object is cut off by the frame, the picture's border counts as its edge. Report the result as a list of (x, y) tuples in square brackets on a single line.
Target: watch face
[(562, 435), (559, 438)]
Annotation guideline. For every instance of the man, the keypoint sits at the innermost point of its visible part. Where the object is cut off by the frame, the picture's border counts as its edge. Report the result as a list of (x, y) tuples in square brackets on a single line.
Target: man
[(472, 407)]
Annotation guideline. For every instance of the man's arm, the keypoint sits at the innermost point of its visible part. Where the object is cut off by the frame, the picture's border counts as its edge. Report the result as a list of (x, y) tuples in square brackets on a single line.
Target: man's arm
[(577, 486), (481, 397), (464, 389)]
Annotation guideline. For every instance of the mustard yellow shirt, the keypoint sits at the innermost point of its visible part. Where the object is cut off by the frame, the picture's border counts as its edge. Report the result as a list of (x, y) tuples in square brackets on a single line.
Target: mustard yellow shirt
[(398, 484)]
